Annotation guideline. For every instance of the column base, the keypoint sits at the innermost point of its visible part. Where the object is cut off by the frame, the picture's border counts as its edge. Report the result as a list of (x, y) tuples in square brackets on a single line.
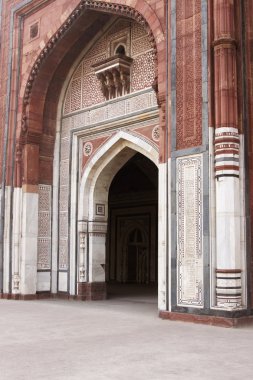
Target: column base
[(92, 291), (229, 288), (212, 320)]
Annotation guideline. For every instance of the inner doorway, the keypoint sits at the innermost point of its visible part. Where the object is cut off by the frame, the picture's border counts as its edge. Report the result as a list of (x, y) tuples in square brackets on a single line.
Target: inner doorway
[(132, 242)]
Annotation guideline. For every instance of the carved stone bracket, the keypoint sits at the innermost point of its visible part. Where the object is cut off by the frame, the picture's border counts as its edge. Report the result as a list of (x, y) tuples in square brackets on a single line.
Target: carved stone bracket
[(114, 75)]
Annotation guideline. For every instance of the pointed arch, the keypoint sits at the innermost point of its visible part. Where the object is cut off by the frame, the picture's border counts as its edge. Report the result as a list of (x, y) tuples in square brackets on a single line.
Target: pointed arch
[(103, 166)]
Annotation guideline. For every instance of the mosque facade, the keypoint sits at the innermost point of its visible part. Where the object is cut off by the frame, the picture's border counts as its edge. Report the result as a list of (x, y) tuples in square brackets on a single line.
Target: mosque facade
[(126, 152)]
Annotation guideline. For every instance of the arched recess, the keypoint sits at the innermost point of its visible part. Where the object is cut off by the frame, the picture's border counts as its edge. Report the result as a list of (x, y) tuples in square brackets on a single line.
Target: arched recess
[(40, 91), (94, 189), (38, 103), (101, 169)]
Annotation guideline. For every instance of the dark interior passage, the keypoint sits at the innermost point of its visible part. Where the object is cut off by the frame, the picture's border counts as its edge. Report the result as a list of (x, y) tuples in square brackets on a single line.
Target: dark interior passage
[(132, 230)]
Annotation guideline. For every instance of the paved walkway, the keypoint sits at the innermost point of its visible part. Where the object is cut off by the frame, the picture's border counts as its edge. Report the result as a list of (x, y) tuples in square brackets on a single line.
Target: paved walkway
[(116, 339)]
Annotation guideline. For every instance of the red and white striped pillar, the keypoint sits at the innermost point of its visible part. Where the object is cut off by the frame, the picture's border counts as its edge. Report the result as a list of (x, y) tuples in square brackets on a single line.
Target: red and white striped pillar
[(227, 150)]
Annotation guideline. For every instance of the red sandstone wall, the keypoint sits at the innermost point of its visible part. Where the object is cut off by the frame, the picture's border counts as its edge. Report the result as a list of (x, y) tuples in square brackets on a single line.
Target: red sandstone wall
[(50, 17), (188, 74), (49, 22), (4, 70)]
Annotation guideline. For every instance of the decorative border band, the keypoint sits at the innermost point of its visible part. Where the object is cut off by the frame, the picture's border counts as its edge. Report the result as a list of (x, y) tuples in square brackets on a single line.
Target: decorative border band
[(229, 288), (227, 144)]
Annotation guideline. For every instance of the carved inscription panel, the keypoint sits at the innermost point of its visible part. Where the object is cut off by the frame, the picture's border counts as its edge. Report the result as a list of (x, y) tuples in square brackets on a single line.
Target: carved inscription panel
[(189, 231)]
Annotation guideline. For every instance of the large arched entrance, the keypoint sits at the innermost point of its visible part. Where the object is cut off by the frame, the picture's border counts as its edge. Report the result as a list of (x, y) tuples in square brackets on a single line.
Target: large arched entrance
[(131, 260), (107, 112), (109, 252)]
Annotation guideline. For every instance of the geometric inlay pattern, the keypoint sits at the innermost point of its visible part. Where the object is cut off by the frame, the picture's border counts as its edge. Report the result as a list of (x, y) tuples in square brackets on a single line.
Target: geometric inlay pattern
[(189, 231), (85, 88), (116, 108), (44, 228), (63, 197)]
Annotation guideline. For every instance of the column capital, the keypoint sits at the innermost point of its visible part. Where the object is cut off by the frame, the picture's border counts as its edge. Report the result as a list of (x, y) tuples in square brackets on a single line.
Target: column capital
[(224, 42)]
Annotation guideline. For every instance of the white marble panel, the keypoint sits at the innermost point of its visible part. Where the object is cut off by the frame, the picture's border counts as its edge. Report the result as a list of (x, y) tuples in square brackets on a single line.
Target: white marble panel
[(189, 231), (73, 212), (212, 213), (162, 238), (243, 222), (63, 282), (16, 246), (29, 243), (55, 208), (6, 253), (97, 257), (228, 223), (43, 281)]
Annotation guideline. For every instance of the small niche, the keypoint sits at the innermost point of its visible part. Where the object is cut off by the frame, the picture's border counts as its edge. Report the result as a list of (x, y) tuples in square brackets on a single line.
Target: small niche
[(34, 30), (120, 50)]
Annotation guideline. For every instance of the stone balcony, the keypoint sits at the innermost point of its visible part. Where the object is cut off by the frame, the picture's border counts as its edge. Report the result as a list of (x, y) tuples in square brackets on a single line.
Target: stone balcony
[(114, 75)]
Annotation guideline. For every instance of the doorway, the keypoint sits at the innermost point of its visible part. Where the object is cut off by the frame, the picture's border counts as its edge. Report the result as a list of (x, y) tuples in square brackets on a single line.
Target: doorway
[(132, 239)]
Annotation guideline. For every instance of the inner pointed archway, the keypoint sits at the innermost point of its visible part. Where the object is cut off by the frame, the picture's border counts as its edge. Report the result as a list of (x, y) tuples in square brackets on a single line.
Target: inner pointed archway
[(131, 258), (125, 157)]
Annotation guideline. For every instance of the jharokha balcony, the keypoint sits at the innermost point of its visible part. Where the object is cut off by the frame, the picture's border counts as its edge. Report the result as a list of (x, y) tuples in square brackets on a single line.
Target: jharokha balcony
[(114, 75)]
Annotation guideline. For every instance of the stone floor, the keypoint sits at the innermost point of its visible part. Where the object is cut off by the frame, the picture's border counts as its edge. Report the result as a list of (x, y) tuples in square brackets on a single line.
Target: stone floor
[(121, 338)]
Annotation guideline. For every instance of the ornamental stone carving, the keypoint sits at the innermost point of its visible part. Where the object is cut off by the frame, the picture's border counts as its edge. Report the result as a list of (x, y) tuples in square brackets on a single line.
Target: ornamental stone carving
[(87, 149), (156, 133), (114, 75)]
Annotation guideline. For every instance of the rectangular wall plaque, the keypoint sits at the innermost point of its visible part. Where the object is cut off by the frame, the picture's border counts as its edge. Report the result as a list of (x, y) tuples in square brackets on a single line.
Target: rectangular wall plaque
[(189, 231), (100, 209)]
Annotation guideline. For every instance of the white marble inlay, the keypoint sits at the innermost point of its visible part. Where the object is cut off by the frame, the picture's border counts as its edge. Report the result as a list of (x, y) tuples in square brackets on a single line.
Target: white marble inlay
[(125, 106), (189, 231)]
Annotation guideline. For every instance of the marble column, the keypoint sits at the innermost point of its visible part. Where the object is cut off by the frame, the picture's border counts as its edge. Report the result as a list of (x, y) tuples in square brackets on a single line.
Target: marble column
[(83, 232), (17, 213), (227, 146), (29, 220), (92, 255)]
